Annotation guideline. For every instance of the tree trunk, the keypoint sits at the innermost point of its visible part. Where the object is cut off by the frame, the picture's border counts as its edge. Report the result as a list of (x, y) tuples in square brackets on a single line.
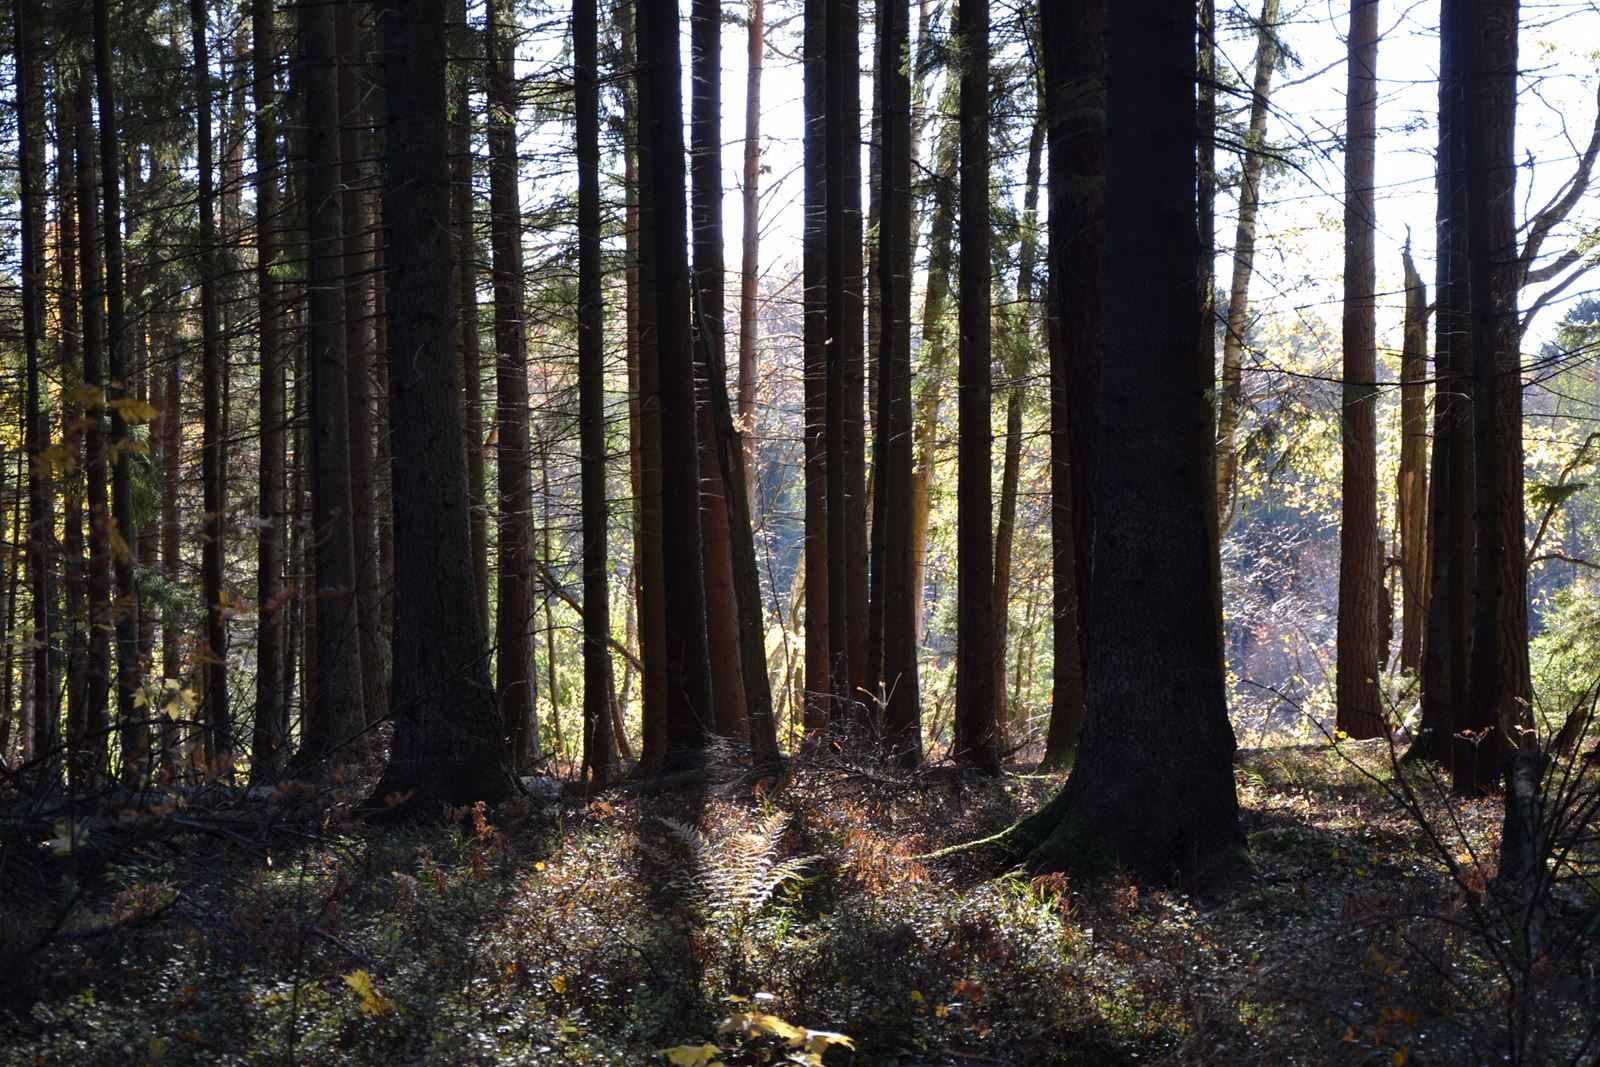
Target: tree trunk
[(75, 616), (1230, 394), (41, 554), (975, 741), (750, 239), (514, 636), (1411, 485), (1498, 713), (335, 720), (134, 733), (814, 267), (360, 345), (449, 745), (893, 482), (89, 757), (1359, 713), (689, 702), (1075, 73), (1153, 785), (271, 732), (1447, 636), (705, 152), (599, 747), (466, 277)]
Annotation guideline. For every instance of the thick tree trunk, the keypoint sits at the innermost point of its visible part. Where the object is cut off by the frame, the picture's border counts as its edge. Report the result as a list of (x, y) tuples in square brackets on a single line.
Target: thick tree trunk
[(893, 482), (74, 616), (1075, 72), (1447, 636), (818, 676), (1499, 690), (360, 348), (689, 702), (134, 733), (1359, 712), (705, 153), (599, 747), (1153, 785), (1230, 392), (335, 719), (1411, 485), (449, 745), (271, 731), (514, 637), (975, 741)]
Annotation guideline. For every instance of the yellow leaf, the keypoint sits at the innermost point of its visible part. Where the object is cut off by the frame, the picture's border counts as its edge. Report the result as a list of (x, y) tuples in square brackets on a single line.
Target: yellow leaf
[(372, 1002), (559, 983), (1402, 1054), (692, 1055), (916, 995)]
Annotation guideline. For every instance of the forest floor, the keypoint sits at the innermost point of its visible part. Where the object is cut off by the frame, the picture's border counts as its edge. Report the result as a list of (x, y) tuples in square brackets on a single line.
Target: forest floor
[(602, 931)]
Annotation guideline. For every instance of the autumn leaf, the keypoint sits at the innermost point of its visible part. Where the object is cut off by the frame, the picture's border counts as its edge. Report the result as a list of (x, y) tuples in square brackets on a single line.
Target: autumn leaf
[(372, 1002)]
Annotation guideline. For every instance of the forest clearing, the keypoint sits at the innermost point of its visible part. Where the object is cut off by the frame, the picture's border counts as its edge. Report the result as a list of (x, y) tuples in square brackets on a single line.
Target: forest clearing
[(1094, 561)]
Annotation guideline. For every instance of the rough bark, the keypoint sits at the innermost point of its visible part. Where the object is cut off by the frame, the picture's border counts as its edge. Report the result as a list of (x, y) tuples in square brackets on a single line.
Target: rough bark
[(750, 238), (1411, 485), (1153, 786), (449, 745), (975, 741), (271, 726), (599, 748), (1359, 712), (514, 629), (817, 679), (335, 719), (893, 481), (689, 703)]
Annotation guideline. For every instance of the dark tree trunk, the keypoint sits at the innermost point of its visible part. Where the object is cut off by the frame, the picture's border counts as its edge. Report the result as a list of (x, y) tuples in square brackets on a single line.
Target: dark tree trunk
[(1153, 785), (360, 345), (335, 718), (271, 731), (1499, 690), (893, 483), (689, 703), (1411, 485), (1359, 713), (135, 734), (975, 741), (818, 663), (1230, 392), (36, 433), (1075, 71), (461, 158), (599, 748), (74, 617), (1447, 636), (89, 757), (448, 746), (705, 152), (514, 636), (750, 239)]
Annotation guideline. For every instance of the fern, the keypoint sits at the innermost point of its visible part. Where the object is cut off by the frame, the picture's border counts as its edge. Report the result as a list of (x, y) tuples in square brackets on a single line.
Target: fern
[(739, 871)]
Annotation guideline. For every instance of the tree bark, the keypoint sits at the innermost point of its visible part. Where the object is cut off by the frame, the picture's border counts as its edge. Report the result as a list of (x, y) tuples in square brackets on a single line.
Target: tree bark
[(1359, 712), (750, 239), (818, 675), (1411, 486), (689, 702), (134, 733), (1153, 785), (335, 720), (1447, 636), (599, 747), (1498, 714), (1230, 392), (975, 741), (271, 733), (449, 746), (514, 636)]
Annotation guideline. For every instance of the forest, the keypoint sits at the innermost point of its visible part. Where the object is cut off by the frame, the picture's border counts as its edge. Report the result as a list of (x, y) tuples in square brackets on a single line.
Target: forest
[(799, 531)]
